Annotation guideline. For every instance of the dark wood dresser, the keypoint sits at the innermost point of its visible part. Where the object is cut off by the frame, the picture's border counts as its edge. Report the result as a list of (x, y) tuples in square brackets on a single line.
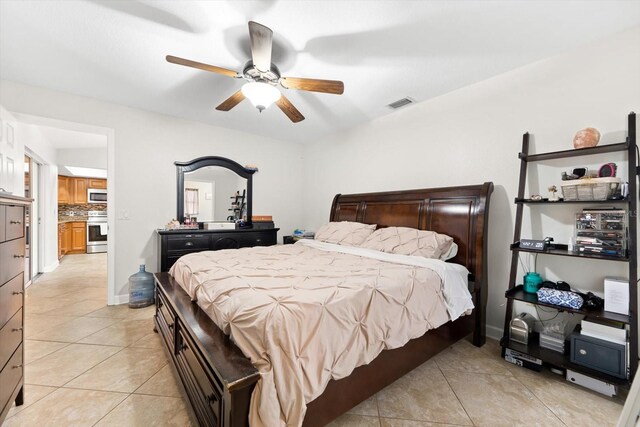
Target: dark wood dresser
[(12, 258), (176, 243)]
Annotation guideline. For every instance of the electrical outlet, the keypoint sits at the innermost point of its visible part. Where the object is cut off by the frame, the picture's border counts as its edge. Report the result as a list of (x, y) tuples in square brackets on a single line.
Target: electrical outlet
[(124, 214)]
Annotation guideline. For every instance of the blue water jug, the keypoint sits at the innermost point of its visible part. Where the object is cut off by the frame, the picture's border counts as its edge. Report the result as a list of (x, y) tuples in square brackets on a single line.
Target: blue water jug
[(141, 289)]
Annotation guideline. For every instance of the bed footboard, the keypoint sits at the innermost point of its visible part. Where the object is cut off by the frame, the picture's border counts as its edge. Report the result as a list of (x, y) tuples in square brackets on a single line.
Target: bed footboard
[(214, 374)]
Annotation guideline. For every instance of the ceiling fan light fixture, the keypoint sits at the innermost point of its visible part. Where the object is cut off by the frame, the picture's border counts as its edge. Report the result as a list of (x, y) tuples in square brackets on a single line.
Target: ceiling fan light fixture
[(261, 94)]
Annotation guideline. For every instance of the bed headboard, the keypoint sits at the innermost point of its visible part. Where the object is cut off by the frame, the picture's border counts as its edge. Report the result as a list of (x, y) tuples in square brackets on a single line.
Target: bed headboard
[(460, 212)]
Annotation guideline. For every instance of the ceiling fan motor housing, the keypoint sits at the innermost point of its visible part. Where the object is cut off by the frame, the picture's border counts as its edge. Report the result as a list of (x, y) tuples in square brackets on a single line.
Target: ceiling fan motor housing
[(251, 73)]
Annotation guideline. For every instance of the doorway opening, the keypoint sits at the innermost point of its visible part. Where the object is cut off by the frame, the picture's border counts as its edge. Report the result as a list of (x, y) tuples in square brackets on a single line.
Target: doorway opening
[(69, 167)]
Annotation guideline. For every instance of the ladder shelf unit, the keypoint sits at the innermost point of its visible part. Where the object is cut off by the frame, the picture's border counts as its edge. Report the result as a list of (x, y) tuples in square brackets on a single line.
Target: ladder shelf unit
[(515, 292)]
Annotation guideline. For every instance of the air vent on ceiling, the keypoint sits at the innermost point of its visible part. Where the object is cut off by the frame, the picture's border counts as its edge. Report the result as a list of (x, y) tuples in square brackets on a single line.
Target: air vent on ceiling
[(401, 103)]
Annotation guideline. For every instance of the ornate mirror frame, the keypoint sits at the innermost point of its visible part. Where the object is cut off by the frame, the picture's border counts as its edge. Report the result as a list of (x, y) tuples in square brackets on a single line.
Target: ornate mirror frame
[(200, 162)]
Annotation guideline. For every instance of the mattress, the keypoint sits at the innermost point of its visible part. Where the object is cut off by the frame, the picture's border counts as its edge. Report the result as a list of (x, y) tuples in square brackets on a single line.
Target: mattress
[(308, 313)]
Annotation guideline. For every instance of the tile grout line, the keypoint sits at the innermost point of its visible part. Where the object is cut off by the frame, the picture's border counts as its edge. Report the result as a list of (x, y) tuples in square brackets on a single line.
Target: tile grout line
[(454, 393), (540, 400)]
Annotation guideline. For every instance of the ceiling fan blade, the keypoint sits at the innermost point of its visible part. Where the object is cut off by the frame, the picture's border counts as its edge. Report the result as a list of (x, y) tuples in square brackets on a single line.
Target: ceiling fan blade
[(287, 108), (260, 46), (206, 67), (231, 102), (335, 87)]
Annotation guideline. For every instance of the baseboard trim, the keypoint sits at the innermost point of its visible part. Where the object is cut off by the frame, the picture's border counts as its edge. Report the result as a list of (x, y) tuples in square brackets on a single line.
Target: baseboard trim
[(121, 299), (49, 268), (494, 332)]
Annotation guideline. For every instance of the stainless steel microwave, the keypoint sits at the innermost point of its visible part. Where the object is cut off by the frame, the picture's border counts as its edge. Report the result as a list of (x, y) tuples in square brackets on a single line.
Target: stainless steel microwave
[(95, 195)]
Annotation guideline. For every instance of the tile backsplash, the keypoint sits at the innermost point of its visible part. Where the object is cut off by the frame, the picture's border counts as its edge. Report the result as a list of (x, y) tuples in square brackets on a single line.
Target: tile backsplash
[(79, 210)]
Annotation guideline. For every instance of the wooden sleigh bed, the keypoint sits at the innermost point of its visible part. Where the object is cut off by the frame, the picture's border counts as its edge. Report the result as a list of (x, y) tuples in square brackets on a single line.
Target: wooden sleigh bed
[(218, 379)]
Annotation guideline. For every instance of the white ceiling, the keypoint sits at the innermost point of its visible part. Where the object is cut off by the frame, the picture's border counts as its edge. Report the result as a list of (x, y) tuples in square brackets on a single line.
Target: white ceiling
[(61, 139), (382, 50)]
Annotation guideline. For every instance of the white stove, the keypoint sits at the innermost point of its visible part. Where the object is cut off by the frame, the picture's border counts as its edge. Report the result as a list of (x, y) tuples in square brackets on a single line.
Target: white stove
[(96, 232)]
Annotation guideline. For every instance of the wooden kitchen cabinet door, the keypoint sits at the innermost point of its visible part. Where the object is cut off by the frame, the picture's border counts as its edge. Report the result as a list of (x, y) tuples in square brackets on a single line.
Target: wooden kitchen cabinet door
[(64, 196), (79, 237), (80, 186), (98, 183)]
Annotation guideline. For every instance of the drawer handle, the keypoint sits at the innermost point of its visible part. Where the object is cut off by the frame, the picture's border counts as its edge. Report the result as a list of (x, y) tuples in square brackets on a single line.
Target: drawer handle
[(16, 330), (160, 303), (15, 221), (188, 244), (18, 256), (17, 292), (184, 347), (212, 398), (16, 366), (170, 325), (583, 351), (258, 240)]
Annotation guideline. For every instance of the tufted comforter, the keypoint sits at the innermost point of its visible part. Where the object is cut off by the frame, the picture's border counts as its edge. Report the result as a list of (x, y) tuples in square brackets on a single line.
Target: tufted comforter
[(311, 312)]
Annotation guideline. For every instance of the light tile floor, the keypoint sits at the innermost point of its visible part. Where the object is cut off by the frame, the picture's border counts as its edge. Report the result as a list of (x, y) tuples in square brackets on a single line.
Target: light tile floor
[(91, 364)]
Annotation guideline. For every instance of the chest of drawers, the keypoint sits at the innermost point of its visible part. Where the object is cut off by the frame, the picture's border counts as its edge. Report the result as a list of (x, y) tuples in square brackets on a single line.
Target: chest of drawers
[(176, 243), (12, 263)]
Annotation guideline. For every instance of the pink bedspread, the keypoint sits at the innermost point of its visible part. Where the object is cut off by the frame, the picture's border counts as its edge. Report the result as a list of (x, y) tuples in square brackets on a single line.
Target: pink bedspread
[(305, 316)]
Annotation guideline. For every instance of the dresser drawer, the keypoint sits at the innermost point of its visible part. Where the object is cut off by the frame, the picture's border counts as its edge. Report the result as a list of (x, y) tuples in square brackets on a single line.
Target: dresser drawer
[(14, 228), (10, 337), (166, 319), (12, 259), (3, 212), (10, 298), (10, 376), (209, 405), (188, 242), (258, 238)]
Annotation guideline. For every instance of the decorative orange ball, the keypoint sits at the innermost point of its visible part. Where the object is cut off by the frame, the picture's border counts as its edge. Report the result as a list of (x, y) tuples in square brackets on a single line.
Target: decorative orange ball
[(586, 138)]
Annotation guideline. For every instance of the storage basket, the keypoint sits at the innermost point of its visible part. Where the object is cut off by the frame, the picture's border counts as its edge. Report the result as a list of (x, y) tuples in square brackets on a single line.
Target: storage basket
[(590, 189)]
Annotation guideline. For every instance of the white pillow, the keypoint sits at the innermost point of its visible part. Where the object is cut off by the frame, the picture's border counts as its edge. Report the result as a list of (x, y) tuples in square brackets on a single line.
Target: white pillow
[(345, 233), (410, 241)]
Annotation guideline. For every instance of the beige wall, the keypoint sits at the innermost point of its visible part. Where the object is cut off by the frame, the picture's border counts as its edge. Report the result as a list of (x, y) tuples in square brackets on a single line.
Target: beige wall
[(474, 134)]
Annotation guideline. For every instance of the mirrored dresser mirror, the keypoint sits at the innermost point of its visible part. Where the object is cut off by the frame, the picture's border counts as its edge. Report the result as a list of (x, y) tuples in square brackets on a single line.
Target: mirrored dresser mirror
[(214, 189)]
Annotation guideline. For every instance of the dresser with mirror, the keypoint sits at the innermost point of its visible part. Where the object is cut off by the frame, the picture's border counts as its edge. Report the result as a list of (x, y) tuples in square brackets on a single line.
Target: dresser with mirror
[(212, 190)]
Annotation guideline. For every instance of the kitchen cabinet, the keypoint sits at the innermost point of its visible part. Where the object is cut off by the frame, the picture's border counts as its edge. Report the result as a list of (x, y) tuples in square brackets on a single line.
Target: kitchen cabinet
[(78, 238), (64, 193), (72, 238), (80, 186), (73, 191), (64, 237), (98, 183)]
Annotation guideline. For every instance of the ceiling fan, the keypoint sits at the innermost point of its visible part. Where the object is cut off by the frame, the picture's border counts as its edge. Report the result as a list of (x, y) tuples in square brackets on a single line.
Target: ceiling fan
[(262, 77)]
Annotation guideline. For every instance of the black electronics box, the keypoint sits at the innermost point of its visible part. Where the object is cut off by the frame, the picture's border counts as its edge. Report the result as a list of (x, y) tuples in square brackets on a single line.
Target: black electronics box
[(262, 225), (522, 359), (604, 356)]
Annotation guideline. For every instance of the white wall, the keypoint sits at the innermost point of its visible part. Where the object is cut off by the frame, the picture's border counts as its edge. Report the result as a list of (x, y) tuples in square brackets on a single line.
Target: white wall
[(83, 157), (41, 150), (146, 145), (474, 135)]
